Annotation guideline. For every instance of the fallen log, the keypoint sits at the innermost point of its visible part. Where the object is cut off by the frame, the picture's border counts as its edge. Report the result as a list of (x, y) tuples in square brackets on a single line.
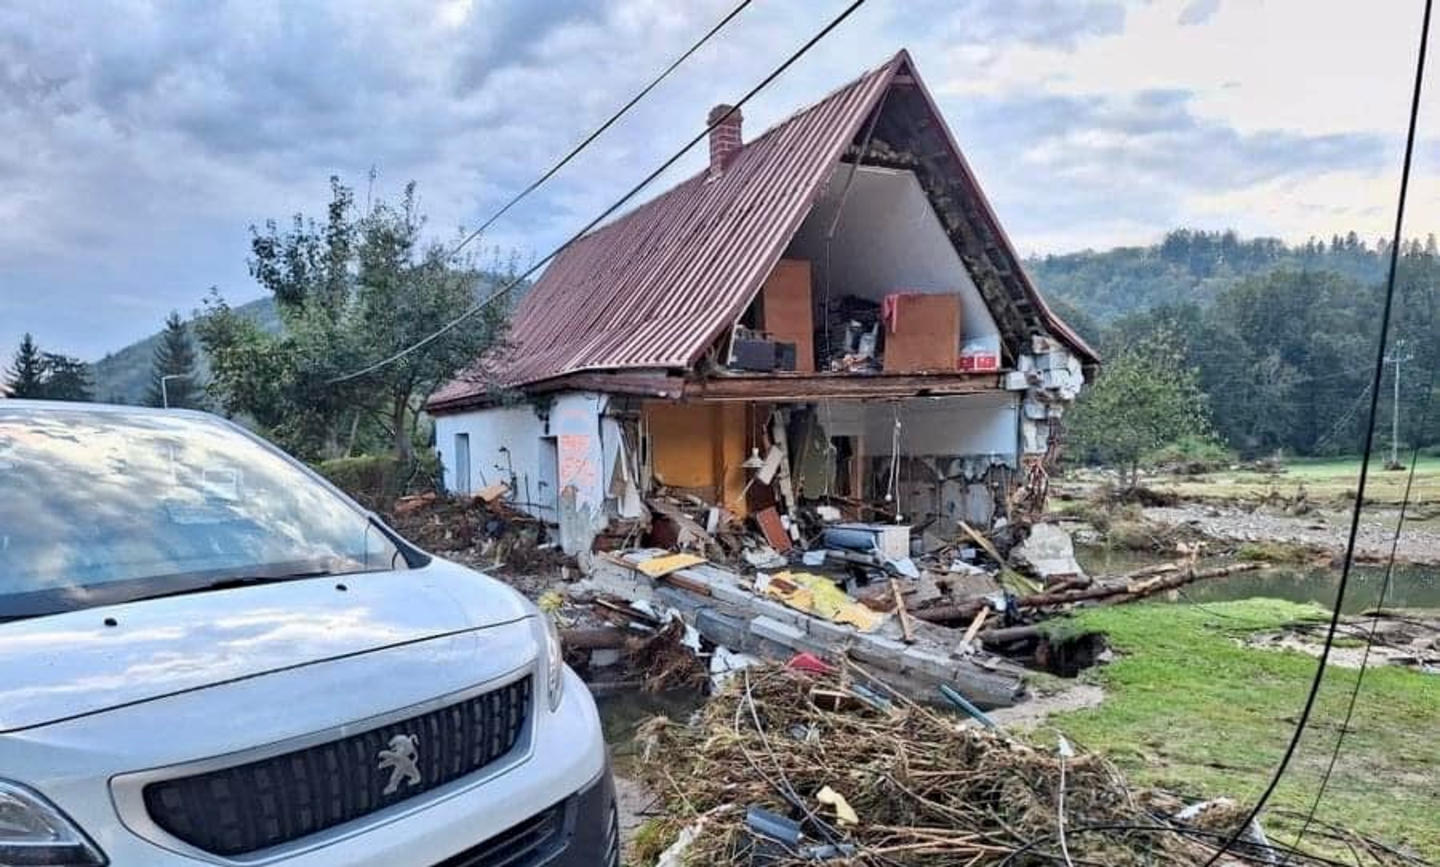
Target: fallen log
[(1007, 634), (1156, 579)]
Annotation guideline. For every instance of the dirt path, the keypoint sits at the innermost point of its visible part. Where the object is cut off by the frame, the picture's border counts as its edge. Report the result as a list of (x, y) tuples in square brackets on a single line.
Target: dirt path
[(1419, 543), (1031, 713)]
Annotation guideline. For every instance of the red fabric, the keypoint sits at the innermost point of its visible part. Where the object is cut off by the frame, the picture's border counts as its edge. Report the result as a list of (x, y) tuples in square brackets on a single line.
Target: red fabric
[(809, 663)]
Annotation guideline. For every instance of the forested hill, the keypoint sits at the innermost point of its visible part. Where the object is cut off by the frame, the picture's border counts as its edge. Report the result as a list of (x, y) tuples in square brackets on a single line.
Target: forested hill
[(1195, 266), (1282, 337), (124, 376)]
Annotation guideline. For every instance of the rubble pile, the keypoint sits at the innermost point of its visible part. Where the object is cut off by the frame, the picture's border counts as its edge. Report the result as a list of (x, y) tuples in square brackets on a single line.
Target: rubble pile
[(789, 766), (485, 532)]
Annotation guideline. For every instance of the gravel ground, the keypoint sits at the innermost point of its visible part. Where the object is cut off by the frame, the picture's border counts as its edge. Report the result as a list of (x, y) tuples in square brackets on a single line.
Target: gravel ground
[(1419, 543)]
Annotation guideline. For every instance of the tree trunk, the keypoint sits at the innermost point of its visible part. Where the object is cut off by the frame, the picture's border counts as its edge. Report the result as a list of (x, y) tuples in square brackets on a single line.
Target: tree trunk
[(1135, 585), (404, 448)]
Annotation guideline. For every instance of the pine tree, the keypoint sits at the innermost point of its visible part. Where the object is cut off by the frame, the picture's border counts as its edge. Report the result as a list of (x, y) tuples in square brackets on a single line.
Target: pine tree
[(66, 378), (26, 377), (173, 372)]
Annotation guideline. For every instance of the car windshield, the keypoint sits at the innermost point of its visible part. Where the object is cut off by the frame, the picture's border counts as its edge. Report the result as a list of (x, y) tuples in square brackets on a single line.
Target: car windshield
[(99, 507)]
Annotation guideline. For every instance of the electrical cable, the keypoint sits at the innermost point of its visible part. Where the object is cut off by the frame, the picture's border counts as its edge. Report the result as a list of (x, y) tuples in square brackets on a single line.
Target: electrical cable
[(574, 152), (1369, 443), (1374, 621), (619, 203)]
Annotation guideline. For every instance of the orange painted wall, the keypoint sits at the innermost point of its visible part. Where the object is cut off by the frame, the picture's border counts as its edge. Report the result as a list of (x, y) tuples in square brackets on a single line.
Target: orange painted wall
[(700, 446)]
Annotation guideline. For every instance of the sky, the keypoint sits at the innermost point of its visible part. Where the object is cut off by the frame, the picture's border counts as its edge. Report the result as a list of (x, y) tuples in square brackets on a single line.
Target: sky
[(140, 140)]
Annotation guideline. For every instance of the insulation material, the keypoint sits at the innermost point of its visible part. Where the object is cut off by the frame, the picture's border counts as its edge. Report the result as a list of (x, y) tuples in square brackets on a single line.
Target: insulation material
[(657, 567), (815, 594)]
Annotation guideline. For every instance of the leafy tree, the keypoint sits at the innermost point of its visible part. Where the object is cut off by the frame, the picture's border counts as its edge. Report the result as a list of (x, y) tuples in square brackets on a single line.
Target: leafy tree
[(1144, 399), (66, 378), (173, 368), (350, 291), (26, 377)]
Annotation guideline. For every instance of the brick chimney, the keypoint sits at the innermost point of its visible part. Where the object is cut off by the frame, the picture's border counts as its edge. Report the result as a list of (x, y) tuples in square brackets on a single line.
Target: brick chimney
[(725, 140)]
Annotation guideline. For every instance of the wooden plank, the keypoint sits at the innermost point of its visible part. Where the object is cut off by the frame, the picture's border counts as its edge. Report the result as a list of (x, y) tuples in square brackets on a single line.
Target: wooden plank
[(905, 628), (681, 580), (769, 521), (805, 388)]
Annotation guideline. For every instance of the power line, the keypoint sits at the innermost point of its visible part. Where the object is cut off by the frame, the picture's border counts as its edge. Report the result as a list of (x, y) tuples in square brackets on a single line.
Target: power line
[(619, 203), (1379, 370), (645, 91), (1374, 626)]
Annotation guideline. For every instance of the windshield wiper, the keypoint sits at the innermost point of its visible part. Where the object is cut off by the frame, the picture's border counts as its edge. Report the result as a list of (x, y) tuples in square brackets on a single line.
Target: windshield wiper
[(238, 581)]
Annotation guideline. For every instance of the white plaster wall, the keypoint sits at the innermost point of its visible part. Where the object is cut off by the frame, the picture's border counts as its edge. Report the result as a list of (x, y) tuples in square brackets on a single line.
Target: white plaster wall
[(575, 423), (889, 240), (961, 426)]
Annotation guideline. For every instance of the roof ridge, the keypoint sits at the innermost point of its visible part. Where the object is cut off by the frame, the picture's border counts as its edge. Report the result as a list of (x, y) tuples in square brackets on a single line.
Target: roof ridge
[(767, 132)]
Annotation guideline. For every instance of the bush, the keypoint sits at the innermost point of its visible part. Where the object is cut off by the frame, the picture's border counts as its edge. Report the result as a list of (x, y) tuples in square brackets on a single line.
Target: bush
[(376, 481), (1276, 552), (1191, 455)]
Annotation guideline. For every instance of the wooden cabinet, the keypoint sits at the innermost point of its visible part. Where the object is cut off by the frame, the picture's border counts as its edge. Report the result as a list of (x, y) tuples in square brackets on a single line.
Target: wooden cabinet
[(787, 309), (922, 333)]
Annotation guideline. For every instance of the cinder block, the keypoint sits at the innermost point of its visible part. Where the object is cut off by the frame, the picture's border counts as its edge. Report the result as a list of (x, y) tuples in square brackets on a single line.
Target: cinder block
[(722, 629), (931, 664)]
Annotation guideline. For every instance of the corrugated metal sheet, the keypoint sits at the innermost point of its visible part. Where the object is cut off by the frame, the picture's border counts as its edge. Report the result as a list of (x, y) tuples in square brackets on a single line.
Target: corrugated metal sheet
[(655, 288)]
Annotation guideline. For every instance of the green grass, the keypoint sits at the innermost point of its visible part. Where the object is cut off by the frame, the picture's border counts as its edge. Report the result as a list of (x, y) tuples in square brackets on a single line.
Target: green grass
[(1325, 480), (1190, 709)]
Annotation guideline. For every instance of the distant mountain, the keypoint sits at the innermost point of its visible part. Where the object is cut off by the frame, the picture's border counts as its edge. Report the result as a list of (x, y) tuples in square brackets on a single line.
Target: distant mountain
[(123, 376), (1192, 266)]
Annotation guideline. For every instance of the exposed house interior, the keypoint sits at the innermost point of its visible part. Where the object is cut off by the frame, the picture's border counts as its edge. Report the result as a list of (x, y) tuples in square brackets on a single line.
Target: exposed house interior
[(828, 315)]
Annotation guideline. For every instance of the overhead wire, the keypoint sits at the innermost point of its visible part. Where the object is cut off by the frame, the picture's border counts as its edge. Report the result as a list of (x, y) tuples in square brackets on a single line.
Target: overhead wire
[(502, 291), (600, 130), (1365, 455), (1378, 613)]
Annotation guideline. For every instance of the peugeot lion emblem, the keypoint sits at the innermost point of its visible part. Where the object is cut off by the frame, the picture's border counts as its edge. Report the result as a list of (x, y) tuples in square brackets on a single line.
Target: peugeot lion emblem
[(399, 760)]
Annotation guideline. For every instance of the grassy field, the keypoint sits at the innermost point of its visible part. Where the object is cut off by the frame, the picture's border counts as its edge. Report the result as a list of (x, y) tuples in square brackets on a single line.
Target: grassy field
[(1190, 709), (1324, 480)]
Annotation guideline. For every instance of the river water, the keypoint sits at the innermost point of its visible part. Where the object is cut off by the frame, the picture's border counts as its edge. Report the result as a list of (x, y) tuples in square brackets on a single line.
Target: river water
[(1410, 586)]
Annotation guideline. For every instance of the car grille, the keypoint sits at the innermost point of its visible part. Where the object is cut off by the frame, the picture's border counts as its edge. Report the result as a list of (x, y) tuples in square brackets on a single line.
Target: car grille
[(245, 808), (529, 843)]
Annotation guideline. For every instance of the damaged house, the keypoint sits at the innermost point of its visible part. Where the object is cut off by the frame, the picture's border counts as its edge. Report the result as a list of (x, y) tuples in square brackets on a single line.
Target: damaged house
[(830, 308)]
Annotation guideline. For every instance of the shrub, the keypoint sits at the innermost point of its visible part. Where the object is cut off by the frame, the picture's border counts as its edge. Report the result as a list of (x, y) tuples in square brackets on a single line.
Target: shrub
[(376, 481), (1191, 455)]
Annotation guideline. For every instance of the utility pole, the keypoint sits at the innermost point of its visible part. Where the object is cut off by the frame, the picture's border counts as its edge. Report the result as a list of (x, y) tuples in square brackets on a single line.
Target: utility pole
[(1397, 358)]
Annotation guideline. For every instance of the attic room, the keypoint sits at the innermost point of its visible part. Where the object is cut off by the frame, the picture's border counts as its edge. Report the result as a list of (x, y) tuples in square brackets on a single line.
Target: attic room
[(870, 283)]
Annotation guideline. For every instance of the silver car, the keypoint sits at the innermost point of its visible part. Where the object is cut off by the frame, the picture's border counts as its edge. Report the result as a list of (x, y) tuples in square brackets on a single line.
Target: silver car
[(209, 655)]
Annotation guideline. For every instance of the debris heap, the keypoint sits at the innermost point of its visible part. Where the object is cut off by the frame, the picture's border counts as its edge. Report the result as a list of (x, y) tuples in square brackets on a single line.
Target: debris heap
[(788, 767)]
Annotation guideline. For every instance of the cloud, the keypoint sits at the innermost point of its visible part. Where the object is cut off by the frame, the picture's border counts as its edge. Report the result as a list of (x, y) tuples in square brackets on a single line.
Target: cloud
[(1135, 163), (140, 138)]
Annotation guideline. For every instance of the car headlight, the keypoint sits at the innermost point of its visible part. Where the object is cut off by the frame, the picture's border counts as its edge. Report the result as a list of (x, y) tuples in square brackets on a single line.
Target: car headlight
[(33, 831), (554, 663)]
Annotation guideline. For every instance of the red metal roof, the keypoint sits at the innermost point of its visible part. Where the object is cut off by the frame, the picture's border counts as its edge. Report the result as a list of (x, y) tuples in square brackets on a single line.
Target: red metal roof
[(655, 288)]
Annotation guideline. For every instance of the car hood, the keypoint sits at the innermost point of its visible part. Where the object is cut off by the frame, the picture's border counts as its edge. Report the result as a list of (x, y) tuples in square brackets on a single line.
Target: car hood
[(69, 665)]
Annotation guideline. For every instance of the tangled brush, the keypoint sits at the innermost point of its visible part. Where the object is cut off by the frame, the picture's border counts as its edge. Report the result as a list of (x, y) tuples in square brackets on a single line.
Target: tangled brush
[(926, 789)]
